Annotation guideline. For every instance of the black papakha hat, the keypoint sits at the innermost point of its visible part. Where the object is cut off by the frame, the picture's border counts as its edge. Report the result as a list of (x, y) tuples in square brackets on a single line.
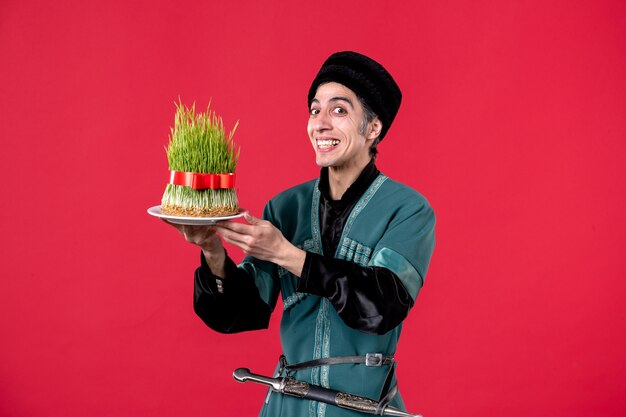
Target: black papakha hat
[(367, 78)]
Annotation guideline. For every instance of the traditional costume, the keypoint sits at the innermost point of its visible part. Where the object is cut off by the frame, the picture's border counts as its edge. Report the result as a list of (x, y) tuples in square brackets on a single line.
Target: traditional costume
[(367, 256)]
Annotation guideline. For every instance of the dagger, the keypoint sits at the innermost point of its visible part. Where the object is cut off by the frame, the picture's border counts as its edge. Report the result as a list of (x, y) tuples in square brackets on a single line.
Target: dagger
[(301, 389)]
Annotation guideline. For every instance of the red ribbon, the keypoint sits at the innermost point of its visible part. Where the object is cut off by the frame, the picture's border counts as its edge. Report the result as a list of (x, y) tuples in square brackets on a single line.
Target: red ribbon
[(199, 181)]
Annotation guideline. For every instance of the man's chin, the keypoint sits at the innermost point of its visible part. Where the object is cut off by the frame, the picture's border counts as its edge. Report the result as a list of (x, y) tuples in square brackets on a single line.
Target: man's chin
[(323, 163)]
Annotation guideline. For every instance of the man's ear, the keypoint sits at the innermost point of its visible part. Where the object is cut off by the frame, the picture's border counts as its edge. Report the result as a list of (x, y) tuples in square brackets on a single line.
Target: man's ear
[(376, 126)]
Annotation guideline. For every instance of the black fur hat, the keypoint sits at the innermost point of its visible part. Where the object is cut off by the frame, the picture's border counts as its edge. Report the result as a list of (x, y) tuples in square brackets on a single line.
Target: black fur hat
[(367, 78)]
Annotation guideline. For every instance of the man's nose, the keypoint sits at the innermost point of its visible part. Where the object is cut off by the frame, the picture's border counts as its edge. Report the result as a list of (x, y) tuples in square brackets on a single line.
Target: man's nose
[(322, 122)]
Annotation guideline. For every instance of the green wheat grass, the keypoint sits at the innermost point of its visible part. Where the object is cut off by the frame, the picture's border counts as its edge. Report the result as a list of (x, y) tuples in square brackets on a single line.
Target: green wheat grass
[(198, 143)]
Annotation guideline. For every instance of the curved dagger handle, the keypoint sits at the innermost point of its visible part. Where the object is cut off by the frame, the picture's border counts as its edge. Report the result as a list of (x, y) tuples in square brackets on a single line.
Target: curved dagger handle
[(244, 375)]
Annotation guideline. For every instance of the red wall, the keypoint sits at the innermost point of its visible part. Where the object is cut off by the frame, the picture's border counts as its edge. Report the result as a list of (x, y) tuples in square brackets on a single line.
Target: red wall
[(513, 125)]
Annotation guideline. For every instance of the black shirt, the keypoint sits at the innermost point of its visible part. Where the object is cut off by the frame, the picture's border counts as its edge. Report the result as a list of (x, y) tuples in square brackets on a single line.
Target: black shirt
[(334, 213)]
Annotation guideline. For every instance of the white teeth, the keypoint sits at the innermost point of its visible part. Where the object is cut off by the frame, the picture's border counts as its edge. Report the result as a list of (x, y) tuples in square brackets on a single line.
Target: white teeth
[(327, 143)]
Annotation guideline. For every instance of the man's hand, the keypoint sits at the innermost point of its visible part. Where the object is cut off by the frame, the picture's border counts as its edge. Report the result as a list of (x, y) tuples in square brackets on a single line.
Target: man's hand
[(259, 238), (209, 242)]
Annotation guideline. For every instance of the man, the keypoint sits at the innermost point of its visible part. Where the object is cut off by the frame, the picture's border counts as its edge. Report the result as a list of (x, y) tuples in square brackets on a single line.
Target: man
[(348, 251)]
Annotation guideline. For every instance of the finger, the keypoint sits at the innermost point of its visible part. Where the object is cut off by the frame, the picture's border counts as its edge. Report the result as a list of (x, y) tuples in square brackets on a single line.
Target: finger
[(236, 239), (251, 219), (236, 227), (196, 234), (233, 235)]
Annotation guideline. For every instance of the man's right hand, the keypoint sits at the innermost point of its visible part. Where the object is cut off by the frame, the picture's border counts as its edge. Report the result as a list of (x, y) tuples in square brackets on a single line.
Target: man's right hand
[(209, 242)]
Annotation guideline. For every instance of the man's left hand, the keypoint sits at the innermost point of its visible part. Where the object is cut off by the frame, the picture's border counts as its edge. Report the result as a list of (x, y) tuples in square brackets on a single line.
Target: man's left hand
[(259, 238)]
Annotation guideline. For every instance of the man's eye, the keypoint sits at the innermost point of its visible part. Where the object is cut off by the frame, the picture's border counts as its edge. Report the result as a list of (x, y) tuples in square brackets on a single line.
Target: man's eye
[(313, 112), (339, 110)]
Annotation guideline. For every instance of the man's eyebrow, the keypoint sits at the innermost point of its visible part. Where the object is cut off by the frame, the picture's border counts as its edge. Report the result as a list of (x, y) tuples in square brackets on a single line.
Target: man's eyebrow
[(338, 98), (342, 98)]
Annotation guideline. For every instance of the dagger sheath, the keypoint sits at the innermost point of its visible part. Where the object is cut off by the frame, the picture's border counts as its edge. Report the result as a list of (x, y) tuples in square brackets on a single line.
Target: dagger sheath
[(301, 389)]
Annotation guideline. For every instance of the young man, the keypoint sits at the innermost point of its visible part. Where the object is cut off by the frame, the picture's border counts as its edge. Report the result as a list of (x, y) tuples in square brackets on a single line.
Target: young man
[(348, 251)]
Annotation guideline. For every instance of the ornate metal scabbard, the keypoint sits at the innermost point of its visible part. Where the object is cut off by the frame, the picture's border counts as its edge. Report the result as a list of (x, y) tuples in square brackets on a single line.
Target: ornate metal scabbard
[(301, 389)]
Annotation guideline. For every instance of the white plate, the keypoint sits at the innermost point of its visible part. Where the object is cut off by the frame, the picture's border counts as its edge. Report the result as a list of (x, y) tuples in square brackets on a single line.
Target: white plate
[(156, 211)]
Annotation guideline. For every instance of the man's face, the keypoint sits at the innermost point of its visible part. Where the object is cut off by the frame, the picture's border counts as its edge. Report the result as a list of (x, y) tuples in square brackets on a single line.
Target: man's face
[(334, 128)]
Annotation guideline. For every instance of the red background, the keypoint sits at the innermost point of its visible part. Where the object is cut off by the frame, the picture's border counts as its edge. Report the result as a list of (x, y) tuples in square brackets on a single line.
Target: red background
[(513, 124)]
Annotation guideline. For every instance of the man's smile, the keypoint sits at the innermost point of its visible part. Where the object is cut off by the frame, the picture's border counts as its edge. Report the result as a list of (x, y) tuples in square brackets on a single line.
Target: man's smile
[(326, 144)]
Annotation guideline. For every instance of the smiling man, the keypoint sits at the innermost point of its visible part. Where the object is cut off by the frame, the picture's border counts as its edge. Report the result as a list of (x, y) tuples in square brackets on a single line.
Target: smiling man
[(347, 252)]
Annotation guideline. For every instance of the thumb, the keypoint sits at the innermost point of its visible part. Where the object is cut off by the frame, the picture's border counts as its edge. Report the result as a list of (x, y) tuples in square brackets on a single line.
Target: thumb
[(251, 219)]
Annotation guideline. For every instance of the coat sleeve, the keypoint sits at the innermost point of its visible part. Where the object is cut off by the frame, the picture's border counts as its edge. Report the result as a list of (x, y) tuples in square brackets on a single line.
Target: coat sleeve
[(247, 297), (370, 299), (236, 307), (378, 297)]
